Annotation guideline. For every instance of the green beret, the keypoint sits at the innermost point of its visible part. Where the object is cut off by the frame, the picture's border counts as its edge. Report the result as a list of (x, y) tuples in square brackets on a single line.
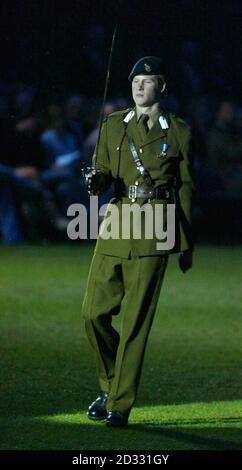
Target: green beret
[(150, 65)]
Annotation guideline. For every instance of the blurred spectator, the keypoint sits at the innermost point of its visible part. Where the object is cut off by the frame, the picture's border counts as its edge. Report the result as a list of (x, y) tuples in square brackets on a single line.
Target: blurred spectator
[(74, 115), (224, 147), (92, 138), (220, 177), (10, 221), (62, 145), (18, 175), (26, 205)]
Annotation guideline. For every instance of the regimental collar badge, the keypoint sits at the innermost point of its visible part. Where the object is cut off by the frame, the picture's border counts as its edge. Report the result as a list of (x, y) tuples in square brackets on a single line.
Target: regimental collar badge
[(129, 116), (147, 68), (163, 122)]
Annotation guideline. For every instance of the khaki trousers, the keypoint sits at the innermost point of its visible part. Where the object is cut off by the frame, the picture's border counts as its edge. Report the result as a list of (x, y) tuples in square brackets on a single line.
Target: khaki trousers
[(130, 287)]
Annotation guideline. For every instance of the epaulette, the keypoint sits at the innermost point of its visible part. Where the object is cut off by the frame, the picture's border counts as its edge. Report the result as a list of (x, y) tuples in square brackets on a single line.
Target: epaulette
[(179, 120), (119, 113)]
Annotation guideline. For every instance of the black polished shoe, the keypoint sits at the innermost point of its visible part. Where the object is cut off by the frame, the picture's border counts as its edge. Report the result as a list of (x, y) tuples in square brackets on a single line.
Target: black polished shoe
[(97, 409), (116, 419)]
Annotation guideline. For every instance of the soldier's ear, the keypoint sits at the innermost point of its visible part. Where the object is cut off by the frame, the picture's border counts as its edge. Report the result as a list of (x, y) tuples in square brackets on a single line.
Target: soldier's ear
[(163, 87)]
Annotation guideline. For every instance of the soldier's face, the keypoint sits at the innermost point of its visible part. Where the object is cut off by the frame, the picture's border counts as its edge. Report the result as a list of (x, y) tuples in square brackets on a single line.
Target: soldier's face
[(145, 90)]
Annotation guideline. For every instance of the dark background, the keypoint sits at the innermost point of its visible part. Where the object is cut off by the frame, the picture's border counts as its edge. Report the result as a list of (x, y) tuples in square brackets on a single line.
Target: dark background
[(62, 45)]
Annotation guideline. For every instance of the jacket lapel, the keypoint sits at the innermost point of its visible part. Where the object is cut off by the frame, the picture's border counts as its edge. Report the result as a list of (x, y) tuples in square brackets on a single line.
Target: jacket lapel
[(133, 131), (155, 133)]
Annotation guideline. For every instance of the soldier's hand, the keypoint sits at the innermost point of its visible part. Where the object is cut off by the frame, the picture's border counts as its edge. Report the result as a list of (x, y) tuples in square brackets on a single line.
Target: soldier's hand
[(185, 260)]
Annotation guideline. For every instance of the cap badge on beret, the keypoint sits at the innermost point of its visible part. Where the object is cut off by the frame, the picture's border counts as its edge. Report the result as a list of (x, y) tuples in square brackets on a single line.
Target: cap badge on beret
[(147, 67)]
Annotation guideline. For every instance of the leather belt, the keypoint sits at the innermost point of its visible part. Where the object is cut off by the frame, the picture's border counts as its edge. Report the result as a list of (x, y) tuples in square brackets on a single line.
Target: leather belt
[(146, 192)]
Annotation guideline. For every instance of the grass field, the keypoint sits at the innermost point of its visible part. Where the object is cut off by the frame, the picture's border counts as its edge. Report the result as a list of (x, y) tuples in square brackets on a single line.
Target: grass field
[(190, 395)]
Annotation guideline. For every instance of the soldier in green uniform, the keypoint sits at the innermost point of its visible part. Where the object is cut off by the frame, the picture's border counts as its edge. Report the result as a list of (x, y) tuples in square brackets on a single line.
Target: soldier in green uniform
[(145, 151)]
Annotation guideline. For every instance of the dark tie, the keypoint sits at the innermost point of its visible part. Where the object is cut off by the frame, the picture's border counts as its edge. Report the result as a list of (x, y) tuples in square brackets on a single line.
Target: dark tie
[(143, 124)]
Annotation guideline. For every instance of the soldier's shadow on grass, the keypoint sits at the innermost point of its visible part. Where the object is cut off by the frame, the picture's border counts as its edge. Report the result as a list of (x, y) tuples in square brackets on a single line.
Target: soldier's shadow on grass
[(218, 438), (30, 433)]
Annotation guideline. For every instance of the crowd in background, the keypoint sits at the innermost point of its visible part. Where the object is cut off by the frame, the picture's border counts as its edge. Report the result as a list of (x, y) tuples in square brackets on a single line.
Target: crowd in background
[(42, 153), (44, 144)]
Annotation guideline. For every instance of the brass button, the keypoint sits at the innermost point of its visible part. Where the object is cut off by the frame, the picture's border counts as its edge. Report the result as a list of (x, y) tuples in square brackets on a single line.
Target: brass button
[(117, 148), (141, 150), (136, 183)]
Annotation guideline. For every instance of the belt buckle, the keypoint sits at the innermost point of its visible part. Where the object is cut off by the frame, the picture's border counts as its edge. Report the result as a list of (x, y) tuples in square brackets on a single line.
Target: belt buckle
[(132, 192)]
